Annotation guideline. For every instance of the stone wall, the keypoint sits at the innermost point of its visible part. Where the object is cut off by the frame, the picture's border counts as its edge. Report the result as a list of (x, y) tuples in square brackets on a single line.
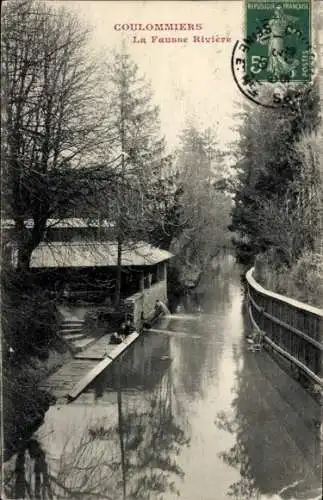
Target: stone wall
[(144, 302)]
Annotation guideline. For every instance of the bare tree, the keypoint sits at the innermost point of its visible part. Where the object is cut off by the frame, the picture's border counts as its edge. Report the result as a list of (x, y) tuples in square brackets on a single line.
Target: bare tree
[(51, 120)]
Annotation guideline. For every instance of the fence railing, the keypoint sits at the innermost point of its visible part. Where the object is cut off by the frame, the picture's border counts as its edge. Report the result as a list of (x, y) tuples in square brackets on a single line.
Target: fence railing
[(290, 327)]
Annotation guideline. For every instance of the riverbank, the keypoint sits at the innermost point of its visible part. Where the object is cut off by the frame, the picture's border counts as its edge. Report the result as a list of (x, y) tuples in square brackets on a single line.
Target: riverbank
[(24, 402), (31, 388)]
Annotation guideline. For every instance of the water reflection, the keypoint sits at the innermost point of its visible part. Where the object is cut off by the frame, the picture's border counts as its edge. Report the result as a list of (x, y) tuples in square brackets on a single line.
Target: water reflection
[(276, 448), (152, 440), (199, 355), (142, 367), (129, 453), (31, 478)]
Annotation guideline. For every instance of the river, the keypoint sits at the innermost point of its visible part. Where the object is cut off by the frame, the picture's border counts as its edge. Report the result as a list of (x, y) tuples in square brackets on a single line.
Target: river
[(188, 412)]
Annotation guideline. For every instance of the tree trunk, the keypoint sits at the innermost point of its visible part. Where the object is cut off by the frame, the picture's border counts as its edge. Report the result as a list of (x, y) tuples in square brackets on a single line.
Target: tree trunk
[(24, 258), (28, 240)]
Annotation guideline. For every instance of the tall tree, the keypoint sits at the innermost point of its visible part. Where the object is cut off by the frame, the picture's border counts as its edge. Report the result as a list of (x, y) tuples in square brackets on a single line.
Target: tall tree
[(51, 121), (203, 211), (138, 152)]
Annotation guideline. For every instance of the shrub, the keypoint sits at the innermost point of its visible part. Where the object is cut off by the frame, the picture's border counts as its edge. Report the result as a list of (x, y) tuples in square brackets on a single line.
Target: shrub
[(30, 323), (307, 278), (302, 281), (24, 406)]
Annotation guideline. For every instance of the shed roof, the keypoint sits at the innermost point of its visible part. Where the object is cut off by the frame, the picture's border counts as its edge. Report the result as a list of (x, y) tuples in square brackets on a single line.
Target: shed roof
[(96, 254)]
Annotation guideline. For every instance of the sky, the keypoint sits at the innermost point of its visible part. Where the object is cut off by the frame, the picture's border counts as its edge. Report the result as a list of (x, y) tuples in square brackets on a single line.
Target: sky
[(191, 80)]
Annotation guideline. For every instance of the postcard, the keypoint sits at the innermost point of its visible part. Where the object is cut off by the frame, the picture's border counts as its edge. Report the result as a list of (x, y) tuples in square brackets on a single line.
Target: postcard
[(161, 247)]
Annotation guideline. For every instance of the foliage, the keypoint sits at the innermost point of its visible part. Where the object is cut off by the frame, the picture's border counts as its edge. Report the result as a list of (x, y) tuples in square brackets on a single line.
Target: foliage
[(29, 325), (203, 212), (302, 281), (137, 150), (24, 405), (274, 193), (29, 318)]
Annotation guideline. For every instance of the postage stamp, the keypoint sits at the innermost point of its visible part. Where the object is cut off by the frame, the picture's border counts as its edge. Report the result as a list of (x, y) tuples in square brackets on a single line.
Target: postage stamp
[(279, 34), (276, 48)]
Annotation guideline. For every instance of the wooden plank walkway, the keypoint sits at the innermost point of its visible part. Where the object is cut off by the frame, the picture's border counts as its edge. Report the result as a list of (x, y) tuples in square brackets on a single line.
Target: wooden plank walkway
[(75, 376), (98, 368), (88, 378), (61, 382)]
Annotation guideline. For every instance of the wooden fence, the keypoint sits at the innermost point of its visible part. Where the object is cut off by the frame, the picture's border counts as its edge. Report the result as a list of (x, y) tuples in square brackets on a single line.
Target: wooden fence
[(290, 327)]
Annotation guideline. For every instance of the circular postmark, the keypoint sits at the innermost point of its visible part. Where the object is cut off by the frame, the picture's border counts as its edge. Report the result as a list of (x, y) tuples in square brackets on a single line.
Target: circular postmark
[(275, 62)]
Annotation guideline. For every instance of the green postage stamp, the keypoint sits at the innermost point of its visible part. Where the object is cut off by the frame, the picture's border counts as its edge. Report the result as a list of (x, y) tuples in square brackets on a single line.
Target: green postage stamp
[(278, 34)]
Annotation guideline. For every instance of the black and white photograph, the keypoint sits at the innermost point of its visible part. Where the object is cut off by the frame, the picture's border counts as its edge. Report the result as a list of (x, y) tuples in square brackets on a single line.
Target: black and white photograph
[(161, 249)]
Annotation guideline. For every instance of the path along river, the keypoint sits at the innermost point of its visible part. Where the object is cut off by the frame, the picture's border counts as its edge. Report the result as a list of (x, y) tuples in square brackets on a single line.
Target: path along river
[(189, 412)]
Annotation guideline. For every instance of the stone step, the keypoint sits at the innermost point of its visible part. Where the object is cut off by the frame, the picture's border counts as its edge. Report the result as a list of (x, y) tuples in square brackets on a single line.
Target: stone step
[(72, 323), (65, 328), (74, 336), (75, 329)]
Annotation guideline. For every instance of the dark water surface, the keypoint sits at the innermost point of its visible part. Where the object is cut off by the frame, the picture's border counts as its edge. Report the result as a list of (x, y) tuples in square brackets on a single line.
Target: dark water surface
[(187, 413)]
